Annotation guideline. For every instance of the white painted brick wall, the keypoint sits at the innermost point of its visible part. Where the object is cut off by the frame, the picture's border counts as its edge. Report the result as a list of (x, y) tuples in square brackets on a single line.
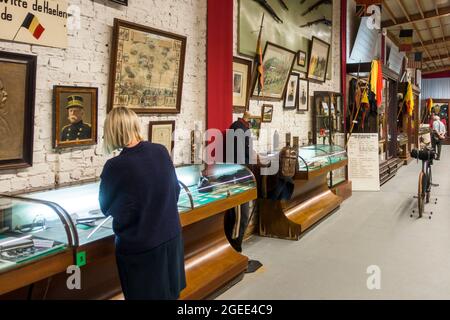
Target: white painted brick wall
[(290, 120), (86, 63)]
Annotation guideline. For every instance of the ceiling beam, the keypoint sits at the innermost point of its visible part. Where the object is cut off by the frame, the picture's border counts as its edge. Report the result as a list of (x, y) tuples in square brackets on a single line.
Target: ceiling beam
[(430, 43), (434, 58), (428, 15), (444, 68)]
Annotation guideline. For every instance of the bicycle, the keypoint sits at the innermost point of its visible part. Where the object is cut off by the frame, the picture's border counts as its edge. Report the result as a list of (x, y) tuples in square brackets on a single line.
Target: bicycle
[(425, 178)]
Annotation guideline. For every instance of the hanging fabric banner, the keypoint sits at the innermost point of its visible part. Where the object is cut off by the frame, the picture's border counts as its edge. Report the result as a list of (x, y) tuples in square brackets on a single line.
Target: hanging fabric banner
[(406, 40)]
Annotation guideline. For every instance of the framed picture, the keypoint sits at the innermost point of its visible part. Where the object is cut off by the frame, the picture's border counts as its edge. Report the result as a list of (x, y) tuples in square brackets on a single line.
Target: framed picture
[(147, 67), (301, 58), (161, 132), (255, 125), (291, 98), (241, 84), (318, 60), (74, 116), (267, 113), (17, 97), (303, 95), (278, 63)]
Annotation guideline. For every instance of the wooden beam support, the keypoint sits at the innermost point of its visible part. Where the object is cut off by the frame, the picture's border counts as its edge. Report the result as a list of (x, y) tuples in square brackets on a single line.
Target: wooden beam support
[(428, 15)]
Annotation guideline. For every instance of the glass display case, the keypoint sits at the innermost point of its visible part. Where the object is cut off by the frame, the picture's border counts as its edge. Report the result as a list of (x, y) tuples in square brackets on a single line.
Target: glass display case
[(31, 230), (317, 157), (38, 224), (329, 127)]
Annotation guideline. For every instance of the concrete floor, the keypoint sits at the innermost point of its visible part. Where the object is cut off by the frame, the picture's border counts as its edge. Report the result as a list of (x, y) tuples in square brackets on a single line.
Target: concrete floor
[(371, 228)]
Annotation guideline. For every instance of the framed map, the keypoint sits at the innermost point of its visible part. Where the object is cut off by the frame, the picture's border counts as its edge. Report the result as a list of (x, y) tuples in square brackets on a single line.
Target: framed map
[(161, 132), (147, 68)]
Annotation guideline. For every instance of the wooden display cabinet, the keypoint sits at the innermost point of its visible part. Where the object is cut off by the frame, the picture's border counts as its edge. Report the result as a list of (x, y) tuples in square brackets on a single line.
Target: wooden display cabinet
[(211, 263), (311, 199)]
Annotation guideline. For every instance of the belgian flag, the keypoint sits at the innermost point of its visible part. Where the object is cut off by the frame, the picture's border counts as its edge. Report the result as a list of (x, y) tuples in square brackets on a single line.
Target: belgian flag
[(31, 23)]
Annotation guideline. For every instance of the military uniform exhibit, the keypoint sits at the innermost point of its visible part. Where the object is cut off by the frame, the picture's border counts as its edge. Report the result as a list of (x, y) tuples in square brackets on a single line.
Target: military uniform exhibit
[(79, 130)]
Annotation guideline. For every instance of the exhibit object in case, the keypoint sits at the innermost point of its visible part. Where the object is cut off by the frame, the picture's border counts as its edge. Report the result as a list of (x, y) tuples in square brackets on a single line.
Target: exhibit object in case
[(43, 233), (291, 205)]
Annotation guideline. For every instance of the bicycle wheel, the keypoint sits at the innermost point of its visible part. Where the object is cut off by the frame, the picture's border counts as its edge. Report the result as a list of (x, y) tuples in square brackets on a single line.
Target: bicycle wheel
[(421, 194), (429, 182)]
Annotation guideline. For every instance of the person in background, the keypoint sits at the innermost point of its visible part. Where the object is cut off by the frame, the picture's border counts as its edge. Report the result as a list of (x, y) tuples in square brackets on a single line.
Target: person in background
[(237, 219), (139, 189), (438, 135)]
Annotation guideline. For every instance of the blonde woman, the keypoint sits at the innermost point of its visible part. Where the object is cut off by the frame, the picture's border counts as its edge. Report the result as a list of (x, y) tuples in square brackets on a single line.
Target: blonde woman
[(139, 189)]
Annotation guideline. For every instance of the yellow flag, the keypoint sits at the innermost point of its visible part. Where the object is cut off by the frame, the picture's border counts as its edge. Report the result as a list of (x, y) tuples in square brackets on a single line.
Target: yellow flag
[(409, 100)]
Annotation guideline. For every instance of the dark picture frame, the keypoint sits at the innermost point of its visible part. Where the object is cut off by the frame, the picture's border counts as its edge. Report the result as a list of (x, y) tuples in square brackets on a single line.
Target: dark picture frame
[(140, 69), (301, 58), (153, 135), (291, 97), (319, 56), (267, 113), (65, 134), (17, 104), (272, 66), (241, 68), (303, 95), (255, 125)]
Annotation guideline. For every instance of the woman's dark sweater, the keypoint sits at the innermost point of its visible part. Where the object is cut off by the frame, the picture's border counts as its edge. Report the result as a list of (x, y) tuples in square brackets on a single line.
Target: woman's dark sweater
[(140, 190)]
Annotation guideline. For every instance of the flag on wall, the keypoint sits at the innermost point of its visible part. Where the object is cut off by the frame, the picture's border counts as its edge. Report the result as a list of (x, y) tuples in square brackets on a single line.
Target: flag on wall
[(376, 81), (31, 23), (429, 105), (415, 60), (406, 40), (409, 100)]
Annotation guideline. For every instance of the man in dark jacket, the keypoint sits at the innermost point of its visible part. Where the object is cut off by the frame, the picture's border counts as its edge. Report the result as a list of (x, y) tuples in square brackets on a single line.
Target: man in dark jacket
[(237, 219)]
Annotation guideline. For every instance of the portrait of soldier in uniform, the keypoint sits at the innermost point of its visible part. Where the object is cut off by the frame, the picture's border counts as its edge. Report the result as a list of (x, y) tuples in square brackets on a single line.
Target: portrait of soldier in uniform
[(76, 116), (77, 129)]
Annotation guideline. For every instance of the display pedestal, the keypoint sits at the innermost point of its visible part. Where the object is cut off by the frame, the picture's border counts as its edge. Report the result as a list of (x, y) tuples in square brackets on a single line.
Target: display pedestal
[(343, 190), (312, 200)]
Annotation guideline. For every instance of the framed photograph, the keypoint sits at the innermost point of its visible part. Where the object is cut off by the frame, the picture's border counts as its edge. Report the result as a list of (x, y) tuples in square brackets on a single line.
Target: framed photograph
[(241, 84), (74, 116), (17, 97), (255, 125), (301, 58), (267, 113), (303, 95), (318, 60), (291, 98), (147, 67), (278, 63), (161, 132)]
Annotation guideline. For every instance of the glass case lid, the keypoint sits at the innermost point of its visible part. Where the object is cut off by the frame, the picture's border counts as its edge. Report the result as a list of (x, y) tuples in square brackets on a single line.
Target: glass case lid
[(319, 156), (30, 230), (82, 205), (204, 184)]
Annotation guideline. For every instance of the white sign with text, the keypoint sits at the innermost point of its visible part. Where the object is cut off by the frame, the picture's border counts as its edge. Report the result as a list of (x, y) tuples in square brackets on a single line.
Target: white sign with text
[(364, 162)]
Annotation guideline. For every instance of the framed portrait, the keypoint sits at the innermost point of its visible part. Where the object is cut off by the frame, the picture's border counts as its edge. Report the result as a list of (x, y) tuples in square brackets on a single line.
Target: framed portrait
[(278, 63), (303, 95), (74, 116), (241, 84), (147, 67), (291, 98), (17, 98), (267, 113), (318, 60), (255, 125), (161, 132), (301, 58)]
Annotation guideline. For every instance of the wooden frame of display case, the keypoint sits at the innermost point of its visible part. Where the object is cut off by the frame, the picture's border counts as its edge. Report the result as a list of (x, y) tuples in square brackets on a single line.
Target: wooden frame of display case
[(344, 188), (311, 201), (211, 263)]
